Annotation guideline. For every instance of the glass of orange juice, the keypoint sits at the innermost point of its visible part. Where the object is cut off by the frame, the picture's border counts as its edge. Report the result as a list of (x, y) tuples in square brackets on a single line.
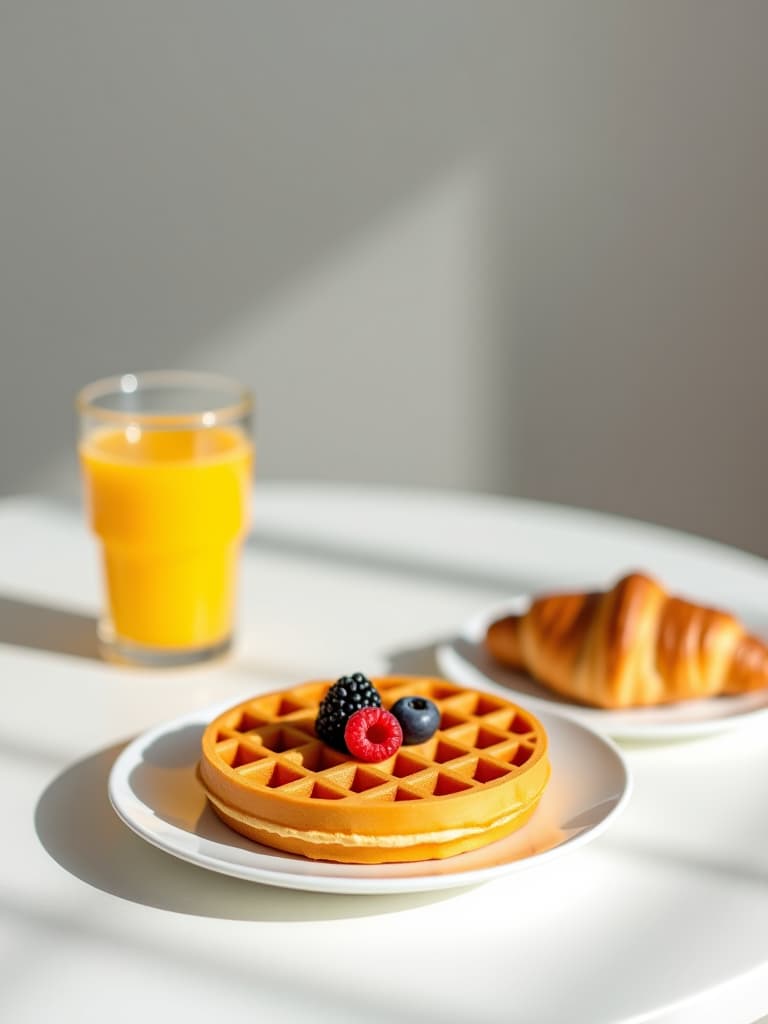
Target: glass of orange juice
[(167, 465)]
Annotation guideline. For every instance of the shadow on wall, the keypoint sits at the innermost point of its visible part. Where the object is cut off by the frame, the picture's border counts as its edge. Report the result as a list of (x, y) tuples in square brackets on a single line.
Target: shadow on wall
[(590, 331), (145, 213)]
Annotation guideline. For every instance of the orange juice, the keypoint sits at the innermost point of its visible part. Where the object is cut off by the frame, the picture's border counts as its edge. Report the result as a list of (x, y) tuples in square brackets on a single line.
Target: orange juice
[(171, 508)]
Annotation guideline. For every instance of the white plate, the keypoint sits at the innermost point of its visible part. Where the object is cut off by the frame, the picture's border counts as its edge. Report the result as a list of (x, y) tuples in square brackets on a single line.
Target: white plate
[(154, 789), (465, 660)]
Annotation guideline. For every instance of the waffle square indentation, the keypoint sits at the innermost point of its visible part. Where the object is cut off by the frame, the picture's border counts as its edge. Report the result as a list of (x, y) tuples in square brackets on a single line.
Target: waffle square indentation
[(406, 764), (450, 719), (249, 721), (278, 738), (317, 757), (489, 771), (321, 791), (522, 755), (514, 753), (245, 755), (281, 776), (445, 785), (441, 691), (488, 738), (277, 705), (519, 725), (445, 751), (364, 779), (405, 794), (486, 705)]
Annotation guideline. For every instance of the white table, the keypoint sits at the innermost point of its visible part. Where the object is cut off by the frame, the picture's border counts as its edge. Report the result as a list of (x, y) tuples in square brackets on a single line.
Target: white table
[(662, 918)]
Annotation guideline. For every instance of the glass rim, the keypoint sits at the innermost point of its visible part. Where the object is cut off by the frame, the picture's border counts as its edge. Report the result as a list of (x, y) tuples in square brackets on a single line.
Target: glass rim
[(242, 405)]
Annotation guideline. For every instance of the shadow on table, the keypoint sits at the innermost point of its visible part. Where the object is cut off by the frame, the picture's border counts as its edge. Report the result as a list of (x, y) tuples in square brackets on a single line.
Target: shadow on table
[(313, 549), (79, 829), (43, 628), (415, 661)]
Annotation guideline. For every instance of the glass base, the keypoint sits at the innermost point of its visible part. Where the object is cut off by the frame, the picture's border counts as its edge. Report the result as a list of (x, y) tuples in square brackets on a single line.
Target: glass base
[(124, 652)]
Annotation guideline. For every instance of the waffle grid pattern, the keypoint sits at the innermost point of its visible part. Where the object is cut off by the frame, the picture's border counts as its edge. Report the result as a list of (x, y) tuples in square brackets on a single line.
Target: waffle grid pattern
[(271, 745)]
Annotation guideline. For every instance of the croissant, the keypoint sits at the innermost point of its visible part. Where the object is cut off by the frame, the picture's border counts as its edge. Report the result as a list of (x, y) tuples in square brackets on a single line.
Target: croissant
[(629, 646)]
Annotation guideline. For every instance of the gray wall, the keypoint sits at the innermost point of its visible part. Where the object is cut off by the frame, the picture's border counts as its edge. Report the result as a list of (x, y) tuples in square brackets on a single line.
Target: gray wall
[(516, 247)]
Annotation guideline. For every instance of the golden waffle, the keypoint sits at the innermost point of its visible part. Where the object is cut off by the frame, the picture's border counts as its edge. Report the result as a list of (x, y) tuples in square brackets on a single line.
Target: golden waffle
[(477, 779)]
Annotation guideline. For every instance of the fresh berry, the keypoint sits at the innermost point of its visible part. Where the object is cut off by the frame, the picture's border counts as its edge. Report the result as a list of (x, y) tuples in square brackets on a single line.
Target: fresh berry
[(373, 734), (348, 695), (418, 718)]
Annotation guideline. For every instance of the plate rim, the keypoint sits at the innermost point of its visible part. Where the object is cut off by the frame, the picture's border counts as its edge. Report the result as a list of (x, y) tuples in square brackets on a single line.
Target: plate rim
[(448, 659), (339, 883)]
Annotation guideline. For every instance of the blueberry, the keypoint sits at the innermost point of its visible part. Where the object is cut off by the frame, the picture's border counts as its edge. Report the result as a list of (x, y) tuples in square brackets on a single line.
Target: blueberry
[(418, 718)]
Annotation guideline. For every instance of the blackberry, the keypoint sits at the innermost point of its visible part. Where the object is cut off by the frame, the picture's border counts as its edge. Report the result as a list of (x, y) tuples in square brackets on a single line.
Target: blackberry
[(347, 695)]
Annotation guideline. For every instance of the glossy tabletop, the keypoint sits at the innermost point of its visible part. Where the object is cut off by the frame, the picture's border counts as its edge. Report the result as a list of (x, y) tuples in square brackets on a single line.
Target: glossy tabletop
[(663, 917)]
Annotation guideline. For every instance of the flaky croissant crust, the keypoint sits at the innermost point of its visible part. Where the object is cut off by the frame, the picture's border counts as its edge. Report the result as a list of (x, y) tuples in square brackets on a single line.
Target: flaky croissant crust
[(632, 645)]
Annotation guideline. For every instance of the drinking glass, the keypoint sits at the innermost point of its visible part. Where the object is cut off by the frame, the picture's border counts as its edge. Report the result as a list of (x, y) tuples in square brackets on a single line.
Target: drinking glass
[(167, 464)]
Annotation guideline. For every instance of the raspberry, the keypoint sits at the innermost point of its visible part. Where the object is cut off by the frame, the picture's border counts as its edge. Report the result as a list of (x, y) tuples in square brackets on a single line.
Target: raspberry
[(373, 734), (347, 695)]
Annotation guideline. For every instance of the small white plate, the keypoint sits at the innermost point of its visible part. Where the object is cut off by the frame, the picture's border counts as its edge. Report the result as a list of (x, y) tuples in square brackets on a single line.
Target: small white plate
[(154, 790), (465, 660)]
